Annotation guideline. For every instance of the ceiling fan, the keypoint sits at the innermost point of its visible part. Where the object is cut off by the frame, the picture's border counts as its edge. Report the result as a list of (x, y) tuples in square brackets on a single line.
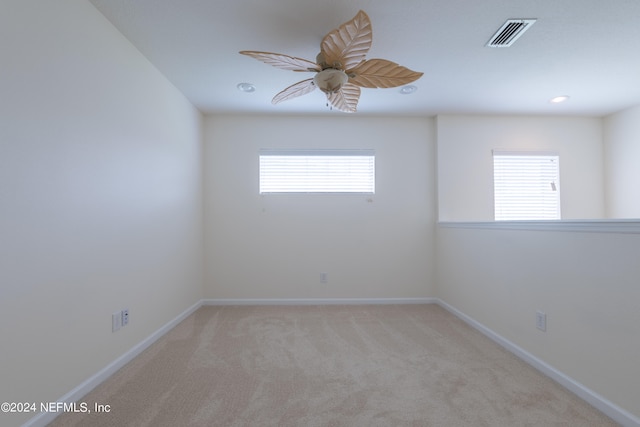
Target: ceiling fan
[(341, 68)]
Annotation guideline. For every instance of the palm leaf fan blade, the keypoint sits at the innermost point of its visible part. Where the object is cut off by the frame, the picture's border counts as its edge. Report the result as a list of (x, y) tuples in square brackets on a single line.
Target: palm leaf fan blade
[(347, 45), (294, 91), (380, 73), (346, 98), (280, 60)]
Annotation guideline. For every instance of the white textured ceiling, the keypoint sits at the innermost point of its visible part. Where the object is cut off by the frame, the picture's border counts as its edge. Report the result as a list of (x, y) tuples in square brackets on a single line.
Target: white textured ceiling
[(587, 49)]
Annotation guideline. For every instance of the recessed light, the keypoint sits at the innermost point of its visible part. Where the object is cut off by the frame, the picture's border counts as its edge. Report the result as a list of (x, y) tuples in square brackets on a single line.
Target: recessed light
[(246, 87), (559, 99), (409, 89)]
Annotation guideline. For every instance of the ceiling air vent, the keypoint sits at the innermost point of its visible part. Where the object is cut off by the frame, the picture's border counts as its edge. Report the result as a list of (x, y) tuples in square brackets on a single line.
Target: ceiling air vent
[(510, 32)]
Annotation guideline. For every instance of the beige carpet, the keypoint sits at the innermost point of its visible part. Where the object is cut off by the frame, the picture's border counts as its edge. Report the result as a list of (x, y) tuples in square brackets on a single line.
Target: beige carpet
[(387, 365)]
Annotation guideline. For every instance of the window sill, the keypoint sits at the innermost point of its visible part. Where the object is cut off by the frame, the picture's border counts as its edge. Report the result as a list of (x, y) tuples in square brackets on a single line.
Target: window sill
[(624, 226)]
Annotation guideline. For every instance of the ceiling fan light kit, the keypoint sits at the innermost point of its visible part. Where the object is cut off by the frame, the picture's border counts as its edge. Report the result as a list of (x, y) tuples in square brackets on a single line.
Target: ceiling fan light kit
[(330, 80), (341, 68)]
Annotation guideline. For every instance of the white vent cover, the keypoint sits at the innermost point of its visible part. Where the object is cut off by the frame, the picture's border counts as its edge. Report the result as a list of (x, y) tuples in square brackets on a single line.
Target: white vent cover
[(510, 32)]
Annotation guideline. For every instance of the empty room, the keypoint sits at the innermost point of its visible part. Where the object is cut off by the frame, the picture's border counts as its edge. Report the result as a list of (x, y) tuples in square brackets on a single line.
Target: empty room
[(336, 213)]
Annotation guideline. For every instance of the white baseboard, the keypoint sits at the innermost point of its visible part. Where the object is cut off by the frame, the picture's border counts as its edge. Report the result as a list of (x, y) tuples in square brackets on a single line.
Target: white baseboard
[(616, 413), (610, 409), (80, 391), (319, 301)]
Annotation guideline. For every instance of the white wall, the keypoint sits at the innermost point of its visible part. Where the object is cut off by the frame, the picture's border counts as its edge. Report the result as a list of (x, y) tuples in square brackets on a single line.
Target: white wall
[(622, 156), (275, 246), (100, 194), (587, 283), (465, 162), (100, 209)]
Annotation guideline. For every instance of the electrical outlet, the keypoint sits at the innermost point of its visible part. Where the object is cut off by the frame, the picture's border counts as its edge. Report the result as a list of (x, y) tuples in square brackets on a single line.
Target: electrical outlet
[(116, 321), (125, 317), (541, 320), (324, 277)]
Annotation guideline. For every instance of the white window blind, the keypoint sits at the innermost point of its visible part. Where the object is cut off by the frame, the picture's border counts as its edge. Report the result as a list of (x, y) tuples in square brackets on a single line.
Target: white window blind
[(526, 186), (317, 171)]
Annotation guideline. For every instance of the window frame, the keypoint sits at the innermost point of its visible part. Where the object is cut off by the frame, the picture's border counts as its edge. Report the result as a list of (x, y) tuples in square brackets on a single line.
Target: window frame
[(309, 179), (548, 202)]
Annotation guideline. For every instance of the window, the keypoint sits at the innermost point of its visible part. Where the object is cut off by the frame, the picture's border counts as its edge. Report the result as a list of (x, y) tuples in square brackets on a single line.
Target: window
[(526, 186), (317, 171)]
